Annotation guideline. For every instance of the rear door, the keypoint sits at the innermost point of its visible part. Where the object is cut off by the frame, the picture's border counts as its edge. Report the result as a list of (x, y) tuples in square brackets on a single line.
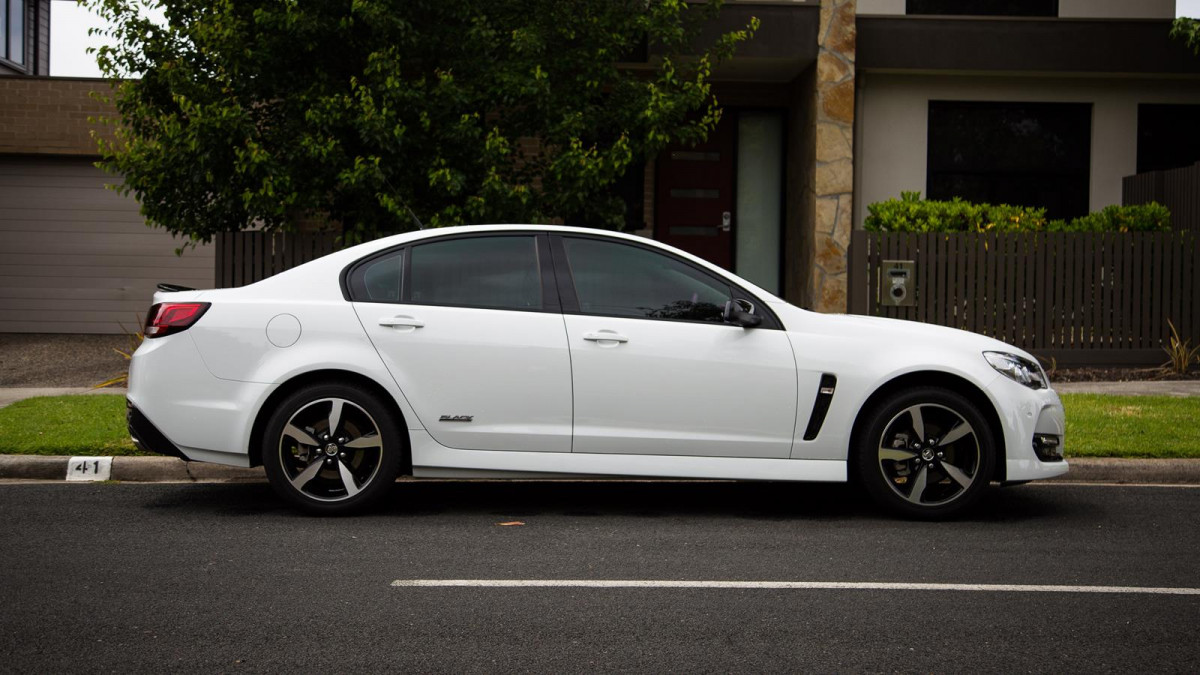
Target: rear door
[(470, 328)]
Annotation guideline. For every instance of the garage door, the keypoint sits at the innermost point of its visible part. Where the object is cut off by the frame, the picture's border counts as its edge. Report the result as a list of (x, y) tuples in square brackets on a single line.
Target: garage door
[(76, 257)]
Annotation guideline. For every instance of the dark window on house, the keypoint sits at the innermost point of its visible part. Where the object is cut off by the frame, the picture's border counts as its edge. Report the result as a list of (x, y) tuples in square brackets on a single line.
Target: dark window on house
[(1027, 154), (1168, 136), (983, 7), (12, 30)]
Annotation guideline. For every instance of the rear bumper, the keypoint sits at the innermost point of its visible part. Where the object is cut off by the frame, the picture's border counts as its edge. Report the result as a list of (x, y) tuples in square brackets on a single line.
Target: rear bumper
[(179, 408), (146, 437)]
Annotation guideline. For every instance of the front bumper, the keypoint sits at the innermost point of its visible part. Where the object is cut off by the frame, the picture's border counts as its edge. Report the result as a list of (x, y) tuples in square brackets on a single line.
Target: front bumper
[(1028, 414)]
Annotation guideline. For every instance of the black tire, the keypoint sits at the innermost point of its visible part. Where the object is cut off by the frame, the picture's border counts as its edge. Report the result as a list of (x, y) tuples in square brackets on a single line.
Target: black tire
[(913, 458), (338, 472)]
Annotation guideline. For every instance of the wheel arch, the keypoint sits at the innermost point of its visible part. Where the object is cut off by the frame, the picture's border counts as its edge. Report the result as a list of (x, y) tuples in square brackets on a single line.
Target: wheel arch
[(945, 380), (322, 377)]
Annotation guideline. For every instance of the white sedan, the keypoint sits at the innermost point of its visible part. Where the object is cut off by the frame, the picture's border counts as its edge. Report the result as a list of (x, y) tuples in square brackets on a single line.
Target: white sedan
[(540, 351)]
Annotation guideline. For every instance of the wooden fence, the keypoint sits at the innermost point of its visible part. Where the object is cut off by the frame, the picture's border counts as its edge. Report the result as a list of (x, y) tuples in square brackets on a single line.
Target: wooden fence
[(245, 257), (1176, 189), (1079, 299)]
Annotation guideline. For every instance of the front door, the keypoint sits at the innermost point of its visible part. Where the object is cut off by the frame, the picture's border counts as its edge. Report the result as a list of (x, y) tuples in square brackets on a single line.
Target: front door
[(694, 197), (470, 329), (655, 369)]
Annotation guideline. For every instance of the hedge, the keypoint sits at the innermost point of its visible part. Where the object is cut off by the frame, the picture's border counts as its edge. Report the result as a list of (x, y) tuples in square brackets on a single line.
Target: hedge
[(910, 213)]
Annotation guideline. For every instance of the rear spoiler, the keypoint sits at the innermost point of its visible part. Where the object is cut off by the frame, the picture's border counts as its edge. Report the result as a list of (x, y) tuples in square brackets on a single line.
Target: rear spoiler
[(174, 288)]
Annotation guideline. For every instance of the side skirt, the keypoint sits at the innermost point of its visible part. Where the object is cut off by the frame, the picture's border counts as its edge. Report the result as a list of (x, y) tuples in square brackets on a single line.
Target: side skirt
[(433, 460)]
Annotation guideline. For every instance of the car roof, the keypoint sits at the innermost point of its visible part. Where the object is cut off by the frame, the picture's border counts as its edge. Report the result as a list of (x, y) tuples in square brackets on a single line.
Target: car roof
[(417, 235)]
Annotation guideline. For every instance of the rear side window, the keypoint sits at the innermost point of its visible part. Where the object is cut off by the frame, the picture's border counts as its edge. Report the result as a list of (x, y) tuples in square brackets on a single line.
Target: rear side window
[(379, 280), (491, 272), (613, 279)]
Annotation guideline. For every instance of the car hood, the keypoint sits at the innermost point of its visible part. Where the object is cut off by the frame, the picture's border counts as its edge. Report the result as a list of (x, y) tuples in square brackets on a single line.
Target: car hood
[(887, 333)]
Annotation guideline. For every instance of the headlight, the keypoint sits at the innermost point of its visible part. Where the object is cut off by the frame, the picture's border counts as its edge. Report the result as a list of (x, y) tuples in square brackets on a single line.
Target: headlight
[(1027, 372)]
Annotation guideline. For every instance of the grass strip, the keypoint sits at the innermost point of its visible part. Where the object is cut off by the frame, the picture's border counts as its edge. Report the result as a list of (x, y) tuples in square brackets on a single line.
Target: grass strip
[(66, 425), (1156, 427)]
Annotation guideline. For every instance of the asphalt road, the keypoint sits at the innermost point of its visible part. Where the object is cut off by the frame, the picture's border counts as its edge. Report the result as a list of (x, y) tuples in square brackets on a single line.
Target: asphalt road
[(222, 578)]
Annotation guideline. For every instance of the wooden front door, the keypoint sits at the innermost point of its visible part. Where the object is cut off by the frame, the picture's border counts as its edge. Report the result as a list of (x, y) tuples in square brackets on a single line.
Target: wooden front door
[(694, 196)]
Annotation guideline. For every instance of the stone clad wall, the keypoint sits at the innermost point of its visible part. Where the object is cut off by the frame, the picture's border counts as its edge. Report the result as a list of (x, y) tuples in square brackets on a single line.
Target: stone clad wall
[(833, 181)]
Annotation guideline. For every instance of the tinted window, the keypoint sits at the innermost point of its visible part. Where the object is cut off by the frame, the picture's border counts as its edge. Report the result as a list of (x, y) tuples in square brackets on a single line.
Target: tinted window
[(1028, 154), (621, 280), (499, 272), (379, 280), (983, 7)]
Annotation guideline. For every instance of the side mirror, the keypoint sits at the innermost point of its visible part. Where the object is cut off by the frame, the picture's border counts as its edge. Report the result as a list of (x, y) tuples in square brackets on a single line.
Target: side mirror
[(741, 313)]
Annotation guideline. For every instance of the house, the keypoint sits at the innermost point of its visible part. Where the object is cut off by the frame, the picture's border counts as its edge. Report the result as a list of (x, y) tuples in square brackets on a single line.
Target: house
[(834, 105)]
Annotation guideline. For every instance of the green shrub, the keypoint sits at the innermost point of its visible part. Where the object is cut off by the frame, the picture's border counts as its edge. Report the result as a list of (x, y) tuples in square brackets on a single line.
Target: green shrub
[(910, 213), (1152, 217)]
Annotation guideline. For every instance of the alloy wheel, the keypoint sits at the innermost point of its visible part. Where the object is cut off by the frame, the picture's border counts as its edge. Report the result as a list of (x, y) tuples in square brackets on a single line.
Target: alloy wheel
[(929, 454), (330, 449)]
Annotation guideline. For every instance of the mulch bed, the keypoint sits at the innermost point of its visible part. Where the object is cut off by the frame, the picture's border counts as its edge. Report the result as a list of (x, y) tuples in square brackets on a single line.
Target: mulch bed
[(44, 360), (1118, 375)]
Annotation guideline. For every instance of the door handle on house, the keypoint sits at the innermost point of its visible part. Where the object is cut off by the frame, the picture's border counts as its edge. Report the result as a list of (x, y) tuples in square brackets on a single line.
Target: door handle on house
[(401, 322), (604, 336), (726, 221)]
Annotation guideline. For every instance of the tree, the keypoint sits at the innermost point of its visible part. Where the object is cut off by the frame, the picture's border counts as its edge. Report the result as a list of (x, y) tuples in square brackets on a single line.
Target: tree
[(261, 112), (1189, 31)]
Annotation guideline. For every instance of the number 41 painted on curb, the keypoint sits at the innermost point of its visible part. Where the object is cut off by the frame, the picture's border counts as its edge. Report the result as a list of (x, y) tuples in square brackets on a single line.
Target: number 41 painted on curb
[(89, 468)]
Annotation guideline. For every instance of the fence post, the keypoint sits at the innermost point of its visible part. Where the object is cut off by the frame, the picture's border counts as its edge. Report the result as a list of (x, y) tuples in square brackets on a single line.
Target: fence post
[(857, 273)]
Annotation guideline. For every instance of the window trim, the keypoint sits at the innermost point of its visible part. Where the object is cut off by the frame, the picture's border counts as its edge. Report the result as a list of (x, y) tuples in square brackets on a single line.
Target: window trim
[(570, 298), (550, 297)]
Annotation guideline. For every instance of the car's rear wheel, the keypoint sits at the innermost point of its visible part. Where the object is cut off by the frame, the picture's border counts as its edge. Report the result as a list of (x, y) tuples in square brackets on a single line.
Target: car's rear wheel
[(332, 448), (926, 453)]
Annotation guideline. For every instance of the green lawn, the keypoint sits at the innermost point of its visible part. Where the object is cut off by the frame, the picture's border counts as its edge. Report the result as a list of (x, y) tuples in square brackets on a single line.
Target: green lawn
[(1097, 426), (1132, 426), (66, 425)]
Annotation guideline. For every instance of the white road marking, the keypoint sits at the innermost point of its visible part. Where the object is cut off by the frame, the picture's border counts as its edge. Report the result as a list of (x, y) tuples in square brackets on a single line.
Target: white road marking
[(803, 585)]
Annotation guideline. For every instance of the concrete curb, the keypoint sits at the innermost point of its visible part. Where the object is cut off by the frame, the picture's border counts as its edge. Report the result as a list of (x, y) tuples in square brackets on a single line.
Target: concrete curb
[(170, 469), (130, 469)]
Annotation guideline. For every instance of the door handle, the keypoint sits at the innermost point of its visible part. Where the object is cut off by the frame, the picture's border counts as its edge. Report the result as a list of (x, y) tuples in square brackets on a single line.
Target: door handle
[(604, 336), (401, 322)]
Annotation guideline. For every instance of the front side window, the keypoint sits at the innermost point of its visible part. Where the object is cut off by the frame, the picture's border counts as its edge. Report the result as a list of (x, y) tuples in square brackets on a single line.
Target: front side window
[(493, 272), (613, 279)]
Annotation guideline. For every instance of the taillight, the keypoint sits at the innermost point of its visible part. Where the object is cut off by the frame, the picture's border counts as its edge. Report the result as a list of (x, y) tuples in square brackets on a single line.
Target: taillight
[(172, 317)]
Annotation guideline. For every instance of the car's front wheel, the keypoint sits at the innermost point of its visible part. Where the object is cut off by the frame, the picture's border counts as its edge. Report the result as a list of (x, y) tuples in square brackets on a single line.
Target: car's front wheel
[(926, 453), (332, 448)]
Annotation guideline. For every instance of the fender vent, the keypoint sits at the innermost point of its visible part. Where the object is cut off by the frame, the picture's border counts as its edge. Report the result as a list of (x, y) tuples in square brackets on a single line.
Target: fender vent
[(820, 406)]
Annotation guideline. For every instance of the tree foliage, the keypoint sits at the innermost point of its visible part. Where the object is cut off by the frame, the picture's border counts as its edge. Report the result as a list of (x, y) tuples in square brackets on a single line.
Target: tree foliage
[(265, 112), (1187, 30)]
